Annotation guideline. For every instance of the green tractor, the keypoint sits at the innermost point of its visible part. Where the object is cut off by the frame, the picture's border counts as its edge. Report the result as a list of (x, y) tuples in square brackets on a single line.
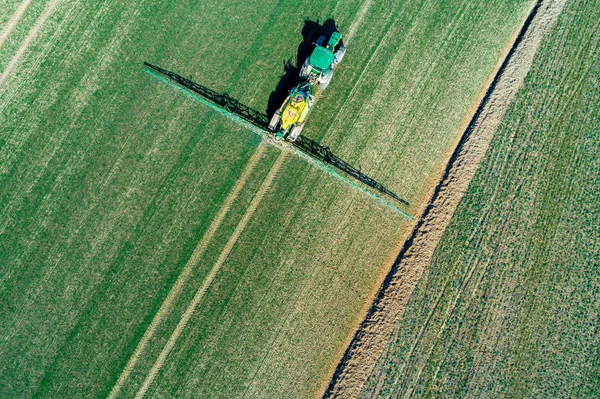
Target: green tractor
[(318, 68), (288, 121)]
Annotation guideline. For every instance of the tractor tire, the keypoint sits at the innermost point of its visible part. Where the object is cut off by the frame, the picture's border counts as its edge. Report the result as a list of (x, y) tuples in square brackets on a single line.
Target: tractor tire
[(325, 79), (295, 133), (274, 121), (339, 55), (305, 70)]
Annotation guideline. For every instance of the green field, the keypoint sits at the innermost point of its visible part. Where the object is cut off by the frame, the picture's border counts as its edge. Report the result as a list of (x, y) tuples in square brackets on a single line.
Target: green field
[(509, 306), (116, 190)]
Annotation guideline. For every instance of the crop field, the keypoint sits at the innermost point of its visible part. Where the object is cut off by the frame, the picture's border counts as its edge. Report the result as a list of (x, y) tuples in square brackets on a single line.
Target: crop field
[(509, 306), (151, 247)]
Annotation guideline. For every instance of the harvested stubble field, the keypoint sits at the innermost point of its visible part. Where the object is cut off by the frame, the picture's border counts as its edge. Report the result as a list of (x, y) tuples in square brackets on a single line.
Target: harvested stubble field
[(151, 247), (509, 306)]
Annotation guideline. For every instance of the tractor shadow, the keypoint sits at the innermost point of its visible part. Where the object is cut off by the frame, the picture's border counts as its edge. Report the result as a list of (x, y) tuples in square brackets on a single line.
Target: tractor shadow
[(291, 71), (259, 119)]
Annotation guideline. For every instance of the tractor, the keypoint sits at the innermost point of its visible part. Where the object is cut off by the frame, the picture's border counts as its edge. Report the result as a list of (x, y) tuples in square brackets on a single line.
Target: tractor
[(318, 68), (288, 120)]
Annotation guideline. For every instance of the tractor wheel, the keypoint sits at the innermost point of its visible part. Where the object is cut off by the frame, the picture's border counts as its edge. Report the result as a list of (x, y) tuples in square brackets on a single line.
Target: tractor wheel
[(339, 55), (274, 121), (296, 132), (305, 70), (326, 79)]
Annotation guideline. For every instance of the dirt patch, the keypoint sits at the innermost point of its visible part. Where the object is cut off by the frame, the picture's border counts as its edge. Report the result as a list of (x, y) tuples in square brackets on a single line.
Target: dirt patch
[(381, 319)]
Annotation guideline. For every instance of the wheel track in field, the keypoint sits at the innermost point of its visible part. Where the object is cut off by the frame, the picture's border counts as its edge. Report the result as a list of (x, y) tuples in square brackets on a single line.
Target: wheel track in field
[(29, 39), (182, 279), (462, 291), (380, 321), (198, 252), (167, 305), (13, 21), (504, 228), (358, 20), (79, 99), (16, 87), (189, 312)]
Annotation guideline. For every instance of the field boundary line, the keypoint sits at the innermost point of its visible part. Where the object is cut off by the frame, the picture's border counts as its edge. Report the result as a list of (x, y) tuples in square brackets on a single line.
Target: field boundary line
[(184, 276), (29, 39), (187, 315), (13, 21), (378, 325), (504, 228)]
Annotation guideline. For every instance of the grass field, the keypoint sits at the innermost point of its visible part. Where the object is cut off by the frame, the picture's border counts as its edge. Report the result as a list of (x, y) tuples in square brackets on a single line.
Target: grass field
[(509, 306), (150, 246)]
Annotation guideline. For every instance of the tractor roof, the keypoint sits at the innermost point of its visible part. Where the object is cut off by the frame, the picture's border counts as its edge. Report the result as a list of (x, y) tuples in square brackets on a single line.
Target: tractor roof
[(321, 58)]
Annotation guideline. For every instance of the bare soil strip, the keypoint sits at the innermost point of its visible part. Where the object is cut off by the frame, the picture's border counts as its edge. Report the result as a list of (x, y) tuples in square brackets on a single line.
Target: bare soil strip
[(183, 278), (160, 361), (383, 316), (29, 39), (13, 21)]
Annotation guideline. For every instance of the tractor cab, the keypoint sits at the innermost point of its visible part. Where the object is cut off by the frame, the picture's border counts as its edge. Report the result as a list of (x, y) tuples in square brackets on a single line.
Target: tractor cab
[(318, 68), (321, 59)]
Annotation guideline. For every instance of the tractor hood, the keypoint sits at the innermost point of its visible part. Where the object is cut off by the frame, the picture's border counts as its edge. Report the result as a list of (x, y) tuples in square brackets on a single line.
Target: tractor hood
[(321, 58)]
